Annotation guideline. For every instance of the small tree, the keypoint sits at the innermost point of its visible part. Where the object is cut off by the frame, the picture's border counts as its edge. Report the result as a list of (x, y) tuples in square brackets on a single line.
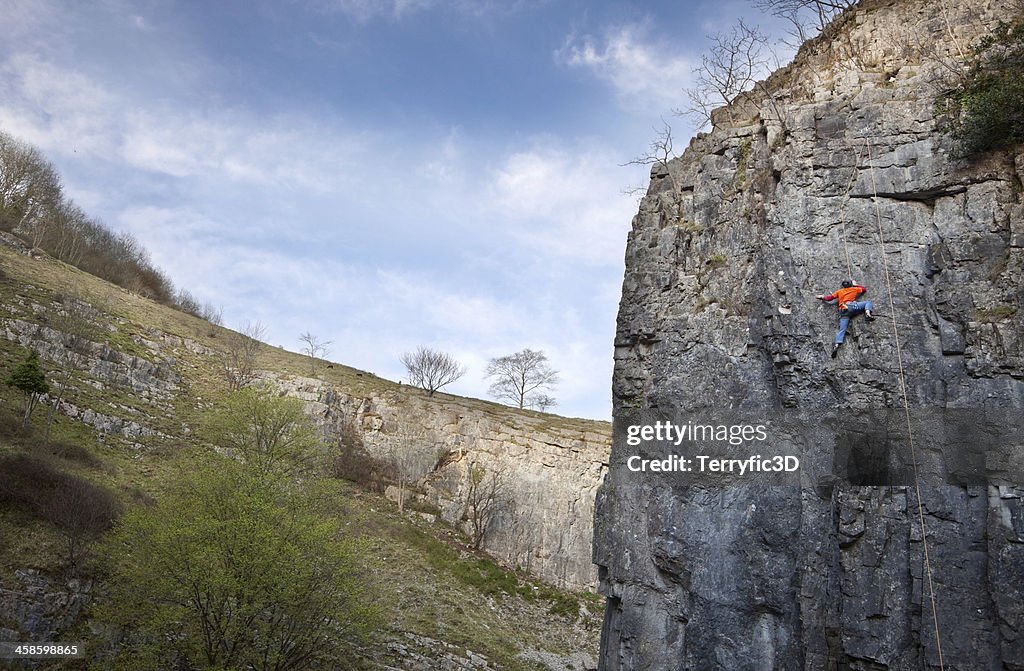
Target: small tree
[(239, 362), (660, 153), (736, 62), (541, 402), (270, 433), (314, 349), (431, 370), (414, 452), (28, 377), (520, 377), (484, 490), (83, 512)]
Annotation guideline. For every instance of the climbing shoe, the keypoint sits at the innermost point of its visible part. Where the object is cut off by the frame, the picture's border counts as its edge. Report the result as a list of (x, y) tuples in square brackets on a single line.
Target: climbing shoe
[(869, 317), (835, 350)]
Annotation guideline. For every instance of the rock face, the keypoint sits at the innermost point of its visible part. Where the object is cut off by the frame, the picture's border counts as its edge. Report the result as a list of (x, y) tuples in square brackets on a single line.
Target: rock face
[(729, 249), (548, 468)]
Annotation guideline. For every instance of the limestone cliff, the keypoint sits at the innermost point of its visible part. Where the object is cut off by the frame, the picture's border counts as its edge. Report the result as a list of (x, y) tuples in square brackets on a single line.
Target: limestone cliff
[(730, 246), (549, 468)]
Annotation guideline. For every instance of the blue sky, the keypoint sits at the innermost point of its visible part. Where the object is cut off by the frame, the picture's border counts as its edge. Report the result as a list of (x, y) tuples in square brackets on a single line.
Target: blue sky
[(381, 173)]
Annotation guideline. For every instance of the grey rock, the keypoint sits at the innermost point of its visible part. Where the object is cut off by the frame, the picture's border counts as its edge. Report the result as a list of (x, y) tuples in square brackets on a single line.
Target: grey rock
[(822, 575)]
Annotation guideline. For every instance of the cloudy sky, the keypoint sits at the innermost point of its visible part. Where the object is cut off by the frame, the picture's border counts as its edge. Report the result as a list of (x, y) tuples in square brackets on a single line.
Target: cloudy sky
[(381, 173)]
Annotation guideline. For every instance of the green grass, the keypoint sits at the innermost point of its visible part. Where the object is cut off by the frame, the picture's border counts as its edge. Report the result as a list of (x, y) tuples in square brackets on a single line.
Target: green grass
[(996, 314)]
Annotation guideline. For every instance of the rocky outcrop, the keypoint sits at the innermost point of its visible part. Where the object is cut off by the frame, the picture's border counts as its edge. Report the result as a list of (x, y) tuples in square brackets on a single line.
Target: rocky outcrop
[(548, 468), (39, 607), (728, 250)]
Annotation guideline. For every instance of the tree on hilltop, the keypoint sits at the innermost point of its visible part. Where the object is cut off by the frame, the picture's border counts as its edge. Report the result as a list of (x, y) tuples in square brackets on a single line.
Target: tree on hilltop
[(430, 369), (733, 65), (806, 16), (239, 362), (522, 379), (314, 349)]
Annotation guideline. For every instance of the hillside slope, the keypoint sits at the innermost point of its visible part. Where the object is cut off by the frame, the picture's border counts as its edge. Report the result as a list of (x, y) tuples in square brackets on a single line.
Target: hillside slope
[(145, 374), (729, 250)]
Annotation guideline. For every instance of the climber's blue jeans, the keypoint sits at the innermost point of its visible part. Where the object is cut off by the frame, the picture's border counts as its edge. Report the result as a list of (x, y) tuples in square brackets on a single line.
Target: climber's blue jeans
[(855, 308)]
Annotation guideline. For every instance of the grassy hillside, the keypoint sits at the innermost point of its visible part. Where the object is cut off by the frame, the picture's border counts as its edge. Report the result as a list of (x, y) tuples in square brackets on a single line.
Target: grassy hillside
[(437, 599)]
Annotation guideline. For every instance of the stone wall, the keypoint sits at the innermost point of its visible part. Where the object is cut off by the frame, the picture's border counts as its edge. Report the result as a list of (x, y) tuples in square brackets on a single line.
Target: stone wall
[(727, 252)]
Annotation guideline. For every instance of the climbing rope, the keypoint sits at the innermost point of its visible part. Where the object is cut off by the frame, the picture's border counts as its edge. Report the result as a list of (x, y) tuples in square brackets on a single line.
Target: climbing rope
[(906, 405), (842, 215)]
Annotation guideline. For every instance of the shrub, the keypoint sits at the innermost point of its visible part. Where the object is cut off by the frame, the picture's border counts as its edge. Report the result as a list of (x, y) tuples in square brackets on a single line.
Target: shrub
[(352, 462), (82, 511), (986, 110), (234, 569)]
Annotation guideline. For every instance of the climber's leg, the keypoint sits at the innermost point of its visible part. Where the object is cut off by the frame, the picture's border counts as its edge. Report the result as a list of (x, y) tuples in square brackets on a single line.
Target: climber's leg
[(844, 323)]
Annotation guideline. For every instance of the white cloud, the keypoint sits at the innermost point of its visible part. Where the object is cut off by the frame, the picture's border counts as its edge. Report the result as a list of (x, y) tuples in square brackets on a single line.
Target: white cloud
[(64, 111), (645, 73), (364, 11), (57, 109), (569, 203)]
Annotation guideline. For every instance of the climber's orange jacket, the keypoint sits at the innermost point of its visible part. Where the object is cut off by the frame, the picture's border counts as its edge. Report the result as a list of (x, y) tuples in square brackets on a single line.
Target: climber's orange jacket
[(845, 295)]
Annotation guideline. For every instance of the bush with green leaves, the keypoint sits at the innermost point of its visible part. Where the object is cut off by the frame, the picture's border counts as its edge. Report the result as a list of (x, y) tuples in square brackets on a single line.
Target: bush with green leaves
[(270, 433), (28, 377), (234, 569), (985, 111)]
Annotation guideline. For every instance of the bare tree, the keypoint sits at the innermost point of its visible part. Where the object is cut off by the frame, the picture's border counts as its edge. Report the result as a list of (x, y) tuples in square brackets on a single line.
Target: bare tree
[(67, 241), (484, 492), (241, 358), (314, 349), (519, 377), (542, 402), (659, 153), (76, 330), (212, 313), (807, 17), (733, 64), (186, 302), (520, 524), (30, 189), (83, 512), (430, 369), (414, 452)]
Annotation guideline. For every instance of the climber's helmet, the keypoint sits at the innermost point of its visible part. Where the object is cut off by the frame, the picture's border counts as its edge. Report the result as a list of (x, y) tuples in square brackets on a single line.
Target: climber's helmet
[(847, 284)]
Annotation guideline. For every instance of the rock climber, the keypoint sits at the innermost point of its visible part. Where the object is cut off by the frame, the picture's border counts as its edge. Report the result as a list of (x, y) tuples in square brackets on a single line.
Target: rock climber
[(849, 307)]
